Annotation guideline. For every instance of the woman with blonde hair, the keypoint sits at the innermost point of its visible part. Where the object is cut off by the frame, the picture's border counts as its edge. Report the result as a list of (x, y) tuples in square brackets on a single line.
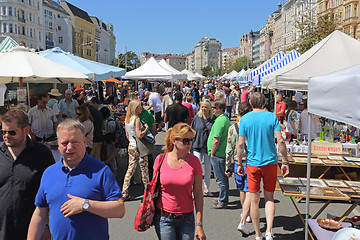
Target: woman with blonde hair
[(174, 215), (202, 124), (84, 116), (134, 109)]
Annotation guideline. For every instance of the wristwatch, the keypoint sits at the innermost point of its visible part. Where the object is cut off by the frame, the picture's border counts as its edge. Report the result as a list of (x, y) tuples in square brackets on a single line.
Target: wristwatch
[(199, 224), (85, 205)]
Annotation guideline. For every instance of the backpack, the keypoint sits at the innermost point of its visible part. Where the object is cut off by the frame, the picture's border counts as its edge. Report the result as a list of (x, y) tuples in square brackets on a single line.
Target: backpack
[(120, 134)]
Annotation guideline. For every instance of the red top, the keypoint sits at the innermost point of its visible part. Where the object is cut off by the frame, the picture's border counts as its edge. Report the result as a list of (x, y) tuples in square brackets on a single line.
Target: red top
[(177, 185), (280, 106), (244, 97), (191, 110)]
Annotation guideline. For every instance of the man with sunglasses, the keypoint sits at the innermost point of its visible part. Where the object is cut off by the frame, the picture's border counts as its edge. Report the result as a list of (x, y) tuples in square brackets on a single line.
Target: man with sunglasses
[(42, 121), (216, 146), (22, 163)]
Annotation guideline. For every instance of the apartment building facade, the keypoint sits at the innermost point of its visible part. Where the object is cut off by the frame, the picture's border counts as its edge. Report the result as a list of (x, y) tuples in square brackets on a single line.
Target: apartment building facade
[(207, 53)]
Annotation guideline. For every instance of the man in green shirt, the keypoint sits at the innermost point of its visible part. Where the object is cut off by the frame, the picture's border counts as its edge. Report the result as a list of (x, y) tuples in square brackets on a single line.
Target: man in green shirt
[(216, 145)]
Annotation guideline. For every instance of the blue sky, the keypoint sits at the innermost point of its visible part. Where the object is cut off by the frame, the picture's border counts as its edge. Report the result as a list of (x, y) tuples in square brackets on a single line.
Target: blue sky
[(172, 26)]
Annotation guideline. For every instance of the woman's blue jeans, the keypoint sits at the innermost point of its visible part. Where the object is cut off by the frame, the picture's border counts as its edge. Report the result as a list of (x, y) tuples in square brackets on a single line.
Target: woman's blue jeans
[(172, 229)]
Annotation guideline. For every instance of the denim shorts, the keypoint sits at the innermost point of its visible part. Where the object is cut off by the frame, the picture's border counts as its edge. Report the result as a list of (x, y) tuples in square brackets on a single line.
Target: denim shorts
[(172, 229), (241, 181)]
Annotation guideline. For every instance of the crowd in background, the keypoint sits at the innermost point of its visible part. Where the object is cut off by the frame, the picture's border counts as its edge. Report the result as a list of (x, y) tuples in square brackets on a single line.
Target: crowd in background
[(196, 117)]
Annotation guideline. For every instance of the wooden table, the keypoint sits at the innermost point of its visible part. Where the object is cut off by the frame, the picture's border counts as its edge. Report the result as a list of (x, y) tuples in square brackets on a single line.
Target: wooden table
[(328, 199)]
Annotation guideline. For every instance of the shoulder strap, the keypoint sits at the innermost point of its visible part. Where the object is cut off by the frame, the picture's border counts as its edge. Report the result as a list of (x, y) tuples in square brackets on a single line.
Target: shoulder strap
[(203, 122)]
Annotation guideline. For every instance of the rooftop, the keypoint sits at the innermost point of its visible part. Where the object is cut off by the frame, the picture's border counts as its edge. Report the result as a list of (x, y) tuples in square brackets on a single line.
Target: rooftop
[(78, 12)]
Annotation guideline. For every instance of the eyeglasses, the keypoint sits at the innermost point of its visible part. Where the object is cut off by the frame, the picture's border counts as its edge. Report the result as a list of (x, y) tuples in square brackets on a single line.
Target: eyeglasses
[(185, 141), (11, 132), (77, 113)]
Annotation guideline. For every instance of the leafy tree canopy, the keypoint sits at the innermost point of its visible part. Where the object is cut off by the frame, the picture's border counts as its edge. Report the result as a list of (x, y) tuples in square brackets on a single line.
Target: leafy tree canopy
[(311, 33), (241, 63), (130, 56)]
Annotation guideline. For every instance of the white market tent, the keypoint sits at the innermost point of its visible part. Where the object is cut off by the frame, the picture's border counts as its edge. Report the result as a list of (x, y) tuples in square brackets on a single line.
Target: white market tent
[(335, 52), (190, 75), (241, 74), (177, 74), (232, 75), (254, 76), (199, 75), (341, 91), (151, 70)]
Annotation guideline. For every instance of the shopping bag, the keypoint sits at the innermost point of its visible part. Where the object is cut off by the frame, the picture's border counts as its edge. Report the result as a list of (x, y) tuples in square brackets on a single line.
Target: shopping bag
[(145, 214)]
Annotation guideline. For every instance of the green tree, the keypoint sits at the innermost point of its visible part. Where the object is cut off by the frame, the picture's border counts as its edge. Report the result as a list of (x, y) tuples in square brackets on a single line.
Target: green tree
[(207, 71), (241, 63), (311, 33), (219, 72), (130, 56)]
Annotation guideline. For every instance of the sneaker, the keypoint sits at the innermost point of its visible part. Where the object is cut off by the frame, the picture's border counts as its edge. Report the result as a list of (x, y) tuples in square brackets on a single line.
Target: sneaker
[(269, 236), (248, 219), (259, 238), (242, 228)]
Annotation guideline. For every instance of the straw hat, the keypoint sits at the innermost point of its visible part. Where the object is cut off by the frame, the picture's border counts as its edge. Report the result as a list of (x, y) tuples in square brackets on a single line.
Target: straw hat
[(55, 92)]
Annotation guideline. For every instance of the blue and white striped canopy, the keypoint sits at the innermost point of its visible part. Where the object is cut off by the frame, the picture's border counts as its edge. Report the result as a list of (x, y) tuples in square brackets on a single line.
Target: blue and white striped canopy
[(254, 75), (289, 57)]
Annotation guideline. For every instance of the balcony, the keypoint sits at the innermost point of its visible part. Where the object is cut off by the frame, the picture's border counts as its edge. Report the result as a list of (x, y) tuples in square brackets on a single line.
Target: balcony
[(22, 20)]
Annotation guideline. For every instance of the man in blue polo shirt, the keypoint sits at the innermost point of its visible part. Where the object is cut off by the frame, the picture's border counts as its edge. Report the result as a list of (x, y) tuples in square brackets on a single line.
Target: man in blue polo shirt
[(78, 193)]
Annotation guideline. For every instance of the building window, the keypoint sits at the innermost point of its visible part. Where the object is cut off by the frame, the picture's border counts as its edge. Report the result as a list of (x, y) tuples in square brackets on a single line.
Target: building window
[(4, 11), (38, 5), (347, 12), (30, 17), (31, 32), (49, 36), (14, 11), (4, 28), (39, 36), (10, 11), (48, 25), (59, 28), (340, 16), (15, 28), (355, 10), (48, 14), (23, 31), (60, 40), (354, 31), (10, 27), (347, 30)]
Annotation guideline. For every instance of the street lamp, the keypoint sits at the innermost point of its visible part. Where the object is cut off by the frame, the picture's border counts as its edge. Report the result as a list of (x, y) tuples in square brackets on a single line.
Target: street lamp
[(85, 44)]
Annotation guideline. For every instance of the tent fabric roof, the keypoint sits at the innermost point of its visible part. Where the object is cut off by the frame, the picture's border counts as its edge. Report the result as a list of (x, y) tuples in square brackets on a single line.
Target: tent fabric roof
[(150, 70), (8, 43), (335, 52), (341, 91), (21, 62), (85, 66), (190, 75), (177, 74)]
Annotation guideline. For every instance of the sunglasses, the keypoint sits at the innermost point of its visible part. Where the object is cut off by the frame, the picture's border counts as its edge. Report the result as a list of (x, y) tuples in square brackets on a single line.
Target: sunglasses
[(185, 141), (11, 132), (77, 113)]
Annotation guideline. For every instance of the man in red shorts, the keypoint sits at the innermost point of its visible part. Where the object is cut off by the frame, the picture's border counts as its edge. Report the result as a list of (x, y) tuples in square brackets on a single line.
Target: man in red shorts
[(260, 128)]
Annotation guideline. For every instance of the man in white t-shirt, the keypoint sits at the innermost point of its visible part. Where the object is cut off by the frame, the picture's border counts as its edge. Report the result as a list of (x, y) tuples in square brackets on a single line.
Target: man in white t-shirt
[(155, 104)]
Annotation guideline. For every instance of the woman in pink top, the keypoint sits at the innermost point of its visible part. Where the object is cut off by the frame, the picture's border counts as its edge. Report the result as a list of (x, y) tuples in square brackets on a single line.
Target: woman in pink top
[(180, 180)]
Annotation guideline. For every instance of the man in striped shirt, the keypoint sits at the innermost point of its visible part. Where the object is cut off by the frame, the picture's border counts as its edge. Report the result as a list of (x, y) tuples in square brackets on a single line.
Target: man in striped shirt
[(42, 121)]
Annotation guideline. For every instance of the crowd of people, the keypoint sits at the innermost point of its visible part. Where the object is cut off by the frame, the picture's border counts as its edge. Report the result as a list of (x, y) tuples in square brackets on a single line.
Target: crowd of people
[(80, 191)]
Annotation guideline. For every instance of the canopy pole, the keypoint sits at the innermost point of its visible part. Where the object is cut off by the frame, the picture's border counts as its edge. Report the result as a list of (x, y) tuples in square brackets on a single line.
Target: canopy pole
[(275, 94), (28, 93), (308, 173), (21, 83)]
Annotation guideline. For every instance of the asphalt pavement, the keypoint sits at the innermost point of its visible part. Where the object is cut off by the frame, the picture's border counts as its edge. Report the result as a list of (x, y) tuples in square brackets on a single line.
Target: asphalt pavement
[(222, 224)]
